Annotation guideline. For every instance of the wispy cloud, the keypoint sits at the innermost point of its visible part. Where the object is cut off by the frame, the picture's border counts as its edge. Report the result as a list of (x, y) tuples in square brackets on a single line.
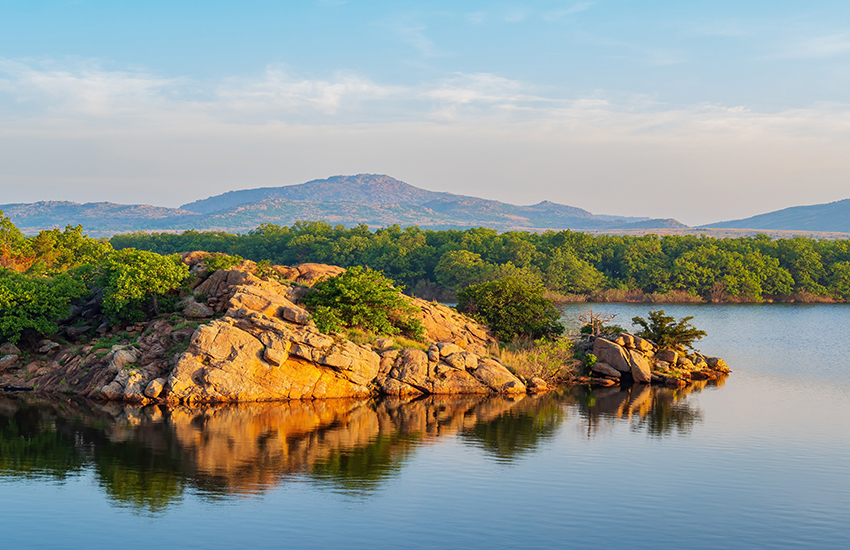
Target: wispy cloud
[(560, 13), (411, 30), (35, 92), (821, 46), (279, 92), (82, 87)]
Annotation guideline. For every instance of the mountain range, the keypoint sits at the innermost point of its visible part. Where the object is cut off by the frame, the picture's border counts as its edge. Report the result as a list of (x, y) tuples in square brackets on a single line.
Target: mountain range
[(375, 200), (833, 216), (379, 200)]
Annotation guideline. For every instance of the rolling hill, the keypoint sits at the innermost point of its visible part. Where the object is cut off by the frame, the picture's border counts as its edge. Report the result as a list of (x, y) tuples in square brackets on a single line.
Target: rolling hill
[(375, 200), (829, 217)]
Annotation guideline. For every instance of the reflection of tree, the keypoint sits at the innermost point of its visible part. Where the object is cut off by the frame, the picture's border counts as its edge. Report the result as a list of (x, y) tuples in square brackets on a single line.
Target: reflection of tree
[(659, 411), (145, 457), (667, 415), (519, 429), (32, 444), (133, 475), (363, 469)]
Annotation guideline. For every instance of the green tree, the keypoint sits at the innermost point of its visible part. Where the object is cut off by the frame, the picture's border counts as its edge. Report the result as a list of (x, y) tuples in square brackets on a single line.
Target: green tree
[(666, 332), (362, 298), (34, 304), (512, 307), (568, 273), (458, 269), (133, 281)]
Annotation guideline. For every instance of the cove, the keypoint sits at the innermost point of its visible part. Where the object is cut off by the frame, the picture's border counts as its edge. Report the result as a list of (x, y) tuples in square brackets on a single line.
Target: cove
[(758, 460)]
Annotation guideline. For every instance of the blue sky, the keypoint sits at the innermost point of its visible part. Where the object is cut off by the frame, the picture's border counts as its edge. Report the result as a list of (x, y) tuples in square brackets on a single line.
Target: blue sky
[(698, 111)]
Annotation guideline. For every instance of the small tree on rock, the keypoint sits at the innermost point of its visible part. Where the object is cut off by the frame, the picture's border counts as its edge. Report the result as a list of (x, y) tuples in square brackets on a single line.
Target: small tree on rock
[(666, 332)]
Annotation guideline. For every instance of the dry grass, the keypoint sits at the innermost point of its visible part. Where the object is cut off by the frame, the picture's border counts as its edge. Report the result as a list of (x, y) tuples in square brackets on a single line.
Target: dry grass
[(553, 361)]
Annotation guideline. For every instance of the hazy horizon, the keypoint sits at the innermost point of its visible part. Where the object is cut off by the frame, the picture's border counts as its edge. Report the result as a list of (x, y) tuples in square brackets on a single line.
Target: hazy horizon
[(702, 113)]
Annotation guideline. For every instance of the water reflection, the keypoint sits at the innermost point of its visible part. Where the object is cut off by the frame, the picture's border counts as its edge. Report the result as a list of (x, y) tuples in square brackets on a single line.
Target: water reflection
[(147, 458), (658, 411)]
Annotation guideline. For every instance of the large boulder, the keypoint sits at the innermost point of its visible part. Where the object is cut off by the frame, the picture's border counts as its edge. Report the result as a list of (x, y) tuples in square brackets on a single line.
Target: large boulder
[(612, 354), (668, 356), (716, 363), (195, 310), (605, 370), (634, 342), (7, 361), (310, 274), (640, 368), (497, 377)]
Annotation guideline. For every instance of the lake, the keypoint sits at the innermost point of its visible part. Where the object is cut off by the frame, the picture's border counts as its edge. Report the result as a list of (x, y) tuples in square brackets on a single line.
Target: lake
[(760, 459)]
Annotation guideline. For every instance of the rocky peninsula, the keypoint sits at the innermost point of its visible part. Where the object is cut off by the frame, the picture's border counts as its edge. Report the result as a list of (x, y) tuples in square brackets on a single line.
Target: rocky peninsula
[(244, 335)]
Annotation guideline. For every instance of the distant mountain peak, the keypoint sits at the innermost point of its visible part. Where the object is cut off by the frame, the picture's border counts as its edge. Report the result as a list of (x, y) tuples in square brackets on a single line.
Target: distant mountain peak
[(828, 217), (377, 188), (373, 199)]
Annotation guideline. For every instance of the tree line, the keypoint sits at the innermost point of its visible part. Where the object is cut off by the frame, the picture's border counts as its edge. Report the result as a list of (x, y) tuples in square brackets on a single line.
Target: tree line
[(440, 263)]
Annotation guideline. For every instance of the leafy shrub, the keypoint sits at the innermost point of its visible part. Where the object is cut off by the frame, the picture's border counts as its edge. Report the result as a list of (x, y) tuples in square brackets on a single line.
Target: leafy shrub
[(221, 261), (34, 304), (134, 281), (512, 307), (365, 299), (666, 332)]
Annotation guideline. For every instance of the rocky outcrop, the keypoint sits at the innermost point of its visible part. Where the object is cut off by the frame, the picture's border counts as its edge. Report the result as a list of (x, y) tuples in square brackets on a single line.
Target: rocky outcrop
[(630, 357), (246, 338)]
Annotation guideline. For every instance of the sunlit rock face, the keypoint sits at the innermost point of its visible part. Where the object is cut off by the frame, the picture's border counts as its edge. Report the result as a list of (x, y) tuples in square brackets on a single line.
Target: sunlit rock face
[(264, 346), (643, 362)]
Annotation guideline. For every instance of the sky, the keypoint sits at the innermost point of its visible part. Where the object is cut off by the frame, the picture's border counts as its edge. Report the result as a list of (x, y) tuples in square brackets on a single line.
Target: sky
[(699, 111)]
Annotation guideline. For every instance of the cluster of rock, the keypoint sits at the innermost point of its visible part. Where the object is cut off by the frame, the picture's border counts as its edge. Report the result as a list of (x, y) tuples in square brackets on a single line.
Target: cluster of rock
[(629, 356), (248, 339)]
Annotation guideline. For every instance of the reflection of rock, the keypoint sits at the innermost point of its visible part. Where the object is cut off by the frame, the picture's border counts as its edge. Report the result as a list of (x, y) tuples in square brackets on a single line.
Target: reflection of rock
[(659, 410), (354, 444)]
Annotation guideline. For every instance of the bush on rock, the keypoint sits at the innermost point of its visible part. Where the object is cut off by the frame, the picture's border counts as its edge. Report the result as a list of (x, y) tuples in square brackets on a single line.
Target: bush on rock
[(135, 280), (512, 307), (365, 299)]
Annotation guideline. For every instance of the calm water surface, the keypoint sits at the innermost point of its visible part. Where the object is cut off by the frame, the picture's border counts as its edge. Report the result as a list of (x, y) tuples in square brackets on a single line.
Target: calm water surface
[(759, 460)]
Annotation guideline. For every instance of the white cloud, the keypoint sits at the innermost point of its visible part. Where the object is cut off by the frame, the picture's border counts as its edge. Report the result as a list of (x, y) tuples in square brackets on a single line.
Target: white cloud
[(279, 92), (821, 46), (83, 88)]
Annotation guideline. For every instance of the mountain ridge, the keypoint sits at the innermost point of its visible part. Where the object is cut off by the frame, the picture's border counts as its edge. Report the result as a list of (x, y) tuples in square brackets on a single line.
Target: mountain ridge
[(373, 199), (832, 216)]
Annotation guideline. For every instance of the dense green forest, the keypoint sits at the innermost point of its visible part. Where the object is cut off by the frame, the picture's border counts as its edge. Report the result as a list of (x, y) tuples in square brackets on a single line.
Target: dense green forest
[(137, 274), (604, 267), (43, 275)]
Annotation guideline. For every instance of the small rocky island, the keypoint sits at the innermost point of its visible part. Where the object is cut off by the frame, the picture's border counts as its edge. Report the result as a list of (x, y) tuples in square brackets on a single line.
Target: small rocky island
[(626, 355), (244, 337)]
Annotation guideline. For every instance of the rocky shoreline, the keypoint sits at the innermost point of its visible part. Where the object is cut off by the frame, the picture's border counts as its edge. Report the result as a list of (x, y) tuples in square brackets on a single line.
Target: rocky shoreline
[(246, 338), (242, 338), (628, 356)]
